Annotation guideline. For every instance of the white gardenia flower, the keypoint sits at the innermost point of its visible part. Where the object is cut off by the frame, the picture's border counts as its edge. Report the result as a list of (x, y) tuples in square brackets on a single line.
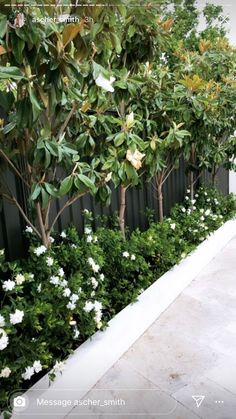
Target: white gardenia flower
[(49, 261), (132, 257), (104, 83), (2, 321), (16, 317), (172, 226), (95, 268), (89, 306), (40, 250), (202, 218), (64, 283), (19, 279), (59, 367), (71, 306), (61, 272), (3, 339), (55, 280), (5, 372), (37, 366), (183, 209), (51, 239), (74, 298), (201, 210), (91, 261), (29, 371), (8, 285), (66, 292), (94, 282), (125, 254), (89, 239), (196, 195), (97, 305), (1, 252), (63, 234), (87, 230), (188, 191), (39, 287), (102, 277), (207, 212), (29, 230), (93, 293), (76, 333), (186, 198)]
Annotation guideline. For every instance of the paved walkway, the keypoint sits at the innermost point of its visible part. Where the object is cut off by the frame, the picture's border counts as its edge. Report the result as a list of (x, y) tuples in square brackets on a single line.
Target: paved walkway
[(189, 351)]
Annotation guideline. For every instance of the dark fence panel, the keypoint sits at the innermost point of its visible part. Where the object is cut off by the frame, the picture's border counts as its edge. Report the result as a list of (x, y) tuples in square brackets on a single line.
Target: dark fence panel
[(138, 200)]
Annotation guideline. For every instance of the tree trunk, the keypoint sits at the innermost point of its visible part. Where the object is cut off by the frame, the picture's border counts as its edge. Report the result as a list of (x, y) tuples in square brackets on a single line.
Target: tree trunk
[(44, 235), (122, 209), (191, 185), (213, 176), (159, 186)]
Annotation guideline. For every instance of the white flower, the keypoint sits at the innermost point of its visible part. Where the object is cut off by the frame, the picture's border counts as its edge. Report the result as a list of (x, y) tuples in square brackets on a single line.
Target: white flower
[(221, 216), (61, 272), (91, 261), (188, 191), (40, 250), (87, 230), (207, 212), (104, 83), (97, 305), (49, 261), (183, 255), (55, 280), (89, 239), (76, 333), (125, 254), (51, 239), (201, 210), (189, 211), (132, 257), (8, 285), (88, 306), (79, 290), (63, 234), (71, 306), (186, 198), (39, 287), (59, 367), (93, 293), (3, 339), (94, 282), (74, 298), (95, 239), (194, 208), (193, 201), (205, 193), (102, 277), (172, 226), (16, 317), (135, 158), (29, 371), (37, 366), (1, 252), (66, 292), (73, 246), (2, 321), (196, 195), (183, 209), (64, 283), (29, 230), (5, 372), (95, 268), (72, 322), (19, 279), (202, 218), (208, 200)]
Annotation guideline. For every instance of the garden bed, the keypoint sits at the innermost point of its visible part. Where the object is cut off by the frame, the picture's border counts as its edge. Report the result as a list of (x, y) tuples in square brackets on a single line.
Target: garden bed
[(94, 357)]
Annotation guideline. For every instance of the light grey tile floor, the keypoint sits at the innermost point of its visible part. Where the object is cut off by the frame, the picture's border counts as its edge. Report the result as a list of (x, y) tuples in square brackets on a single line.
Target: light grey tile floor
[(190, 350)]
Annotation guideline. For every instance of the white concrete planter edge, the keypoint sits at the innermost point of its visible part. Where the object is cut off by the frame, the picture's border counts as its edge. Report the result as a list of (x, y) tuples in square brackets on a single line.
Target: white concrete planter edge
[(95, 356)]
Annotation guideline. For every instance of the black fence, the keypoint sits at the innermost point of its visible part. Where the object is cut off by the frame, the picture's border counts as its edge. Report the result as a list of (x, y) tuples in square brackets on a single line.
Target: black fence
[(138, 200)]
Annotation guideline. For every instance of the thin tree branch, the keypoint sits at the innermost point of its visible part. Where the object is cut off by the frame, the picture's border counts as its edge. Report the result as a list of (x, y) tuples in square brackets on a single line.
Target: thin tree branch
[(14, 168), (67, 120), (14, 201)]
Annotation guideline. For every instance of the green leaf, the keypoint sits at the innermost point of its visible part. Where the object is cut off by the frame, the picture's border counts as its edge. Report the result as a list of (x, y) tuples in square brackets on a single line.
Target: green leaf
[(35, 104), (51, 190), (45, 198), (6, 100), (66, 185), (119, 139), (3, 25), (36, 189), (18, 47), (11, 73), (87, 182)]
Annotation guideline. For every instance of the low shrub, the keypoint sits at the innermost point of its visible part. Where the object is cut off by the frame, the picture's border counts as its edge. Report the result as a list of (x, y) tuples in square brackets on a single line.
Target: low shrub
[(58, 297)]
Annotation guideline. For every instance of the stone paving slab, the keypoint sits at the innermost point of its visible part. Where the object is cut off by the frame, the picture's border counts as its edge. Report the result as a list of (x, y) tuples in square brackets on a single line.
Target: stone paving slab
[(189, 350)]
